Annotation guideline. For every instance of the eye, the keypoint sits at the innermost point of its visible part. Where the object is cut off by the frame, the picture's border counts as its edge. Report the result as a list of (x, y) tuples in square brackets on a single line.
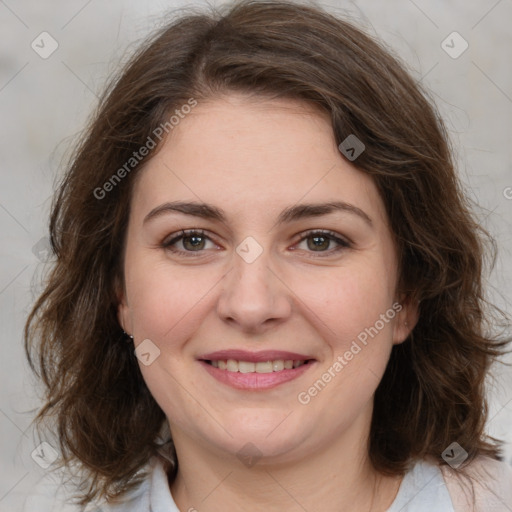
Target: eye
[(320, 240), (194, 241), (191, 240)]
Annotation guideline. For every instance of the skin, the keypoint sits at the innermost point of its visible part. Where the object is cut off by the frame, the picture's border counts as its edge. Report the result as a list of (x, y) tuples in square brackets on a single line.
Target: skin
[(253, 157)]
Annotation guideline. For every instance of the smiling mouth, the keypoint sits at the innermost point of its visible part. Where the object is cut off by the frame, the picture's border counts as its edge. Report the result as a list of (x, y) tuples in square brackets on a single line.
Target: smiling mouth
[(234, 366)]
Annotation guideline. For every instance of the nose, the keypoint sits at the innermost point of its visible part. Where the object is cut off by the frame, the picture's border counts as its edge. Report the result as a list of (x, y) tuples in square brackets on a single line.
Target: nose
[(254, 297)]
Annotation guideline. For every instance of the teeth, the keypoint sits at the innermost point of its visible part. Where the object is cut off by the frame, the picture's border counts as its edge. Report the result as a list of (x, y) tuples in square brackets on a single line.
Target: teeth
[(231, 365), (264, 367), (277, 366), (244, 367)]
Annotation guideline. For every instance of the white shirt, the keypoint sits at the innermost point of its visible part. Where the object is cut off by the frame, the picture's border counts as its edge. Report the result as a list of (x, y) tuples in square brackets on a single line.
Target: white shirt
[(423, 489)]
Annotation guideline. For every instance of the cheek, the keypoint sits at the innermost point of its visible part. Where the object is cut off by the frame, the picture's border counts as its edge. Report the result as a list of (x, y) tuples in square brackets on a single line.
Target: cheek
[(346, 300), (163, 298), (168, 304), (347, 313)]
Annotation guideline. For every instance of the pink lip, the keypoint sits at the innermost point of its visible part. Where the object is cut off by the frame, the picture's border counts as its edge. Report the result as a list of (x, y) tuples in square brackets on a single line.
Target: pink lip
[(255, 381), (253, 357)]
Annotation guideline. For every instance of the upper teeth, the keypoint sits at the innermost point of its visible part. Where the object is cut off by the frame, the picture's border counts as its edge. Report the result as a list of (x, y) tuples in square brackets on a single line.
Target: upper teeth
[(231, 365)]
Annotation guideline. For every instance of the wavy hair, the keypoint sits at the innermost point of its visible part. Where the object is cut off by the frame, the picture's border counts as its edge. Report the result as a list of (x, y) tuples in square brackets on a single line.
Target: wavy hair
[(432, 392)]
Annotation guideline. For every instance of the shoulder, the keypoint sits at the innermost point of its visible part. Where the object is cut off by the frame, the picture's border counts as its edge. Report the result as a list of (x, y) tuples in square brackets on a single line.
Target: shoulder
[(54, 493), (50, 494), (484, 485)]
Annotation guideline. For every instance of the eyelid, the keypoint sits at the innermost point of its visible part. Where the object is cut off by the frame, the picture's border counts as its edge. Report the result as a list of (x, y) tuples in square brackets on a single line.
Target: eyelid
[(342, 241), (182, 233)]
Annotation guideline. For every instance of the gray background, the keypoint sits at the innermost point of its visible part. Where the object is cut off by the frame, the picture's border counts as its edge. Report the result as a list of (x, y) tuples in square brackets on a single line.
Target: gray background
[(45, 102)]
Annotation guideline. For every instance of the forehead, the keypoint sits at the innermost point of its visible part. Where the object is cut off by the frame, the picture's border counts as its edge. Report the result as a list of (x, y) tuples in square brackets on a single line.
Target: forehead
[(252, 155)]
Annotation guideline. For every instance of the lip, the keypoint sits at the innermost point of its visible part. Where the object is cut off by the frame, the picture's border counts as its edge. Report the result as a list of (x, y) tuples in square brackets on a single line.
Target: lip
[(253, 357), (255, 381)]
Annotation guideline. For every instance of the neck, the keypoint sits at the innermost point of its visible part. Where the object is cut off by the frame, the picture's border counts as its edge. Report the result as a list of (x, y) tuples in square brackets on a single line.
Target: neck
[(338, 476)]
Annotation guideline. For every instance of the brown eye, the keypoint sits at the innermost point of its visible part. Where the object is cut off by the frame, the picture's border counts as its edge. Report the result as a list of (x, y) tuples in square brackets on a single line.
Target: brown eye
[(320, 241), (192, 241)]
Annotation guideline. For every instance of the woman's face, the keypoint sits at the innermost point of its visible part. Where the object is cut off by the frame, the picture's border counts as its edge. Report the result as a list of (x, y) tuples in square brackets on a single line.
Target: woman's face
[(259, 286)]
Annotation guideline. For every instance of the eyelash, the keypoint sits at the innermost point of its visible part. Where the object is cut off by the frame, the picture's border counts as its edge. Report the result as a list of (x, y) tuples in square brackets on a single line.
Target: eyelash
[(330, 235)]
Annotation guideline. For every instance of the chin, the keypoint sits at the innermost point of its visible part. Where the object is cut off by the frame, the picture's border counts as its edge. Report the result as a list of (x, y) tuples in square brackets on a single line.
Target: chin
[(263, 436)]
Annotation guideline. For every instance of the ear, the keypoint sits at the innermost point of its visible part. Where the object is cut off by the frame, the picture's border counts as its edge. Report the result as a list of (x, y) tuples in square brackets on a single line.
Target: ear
[(123, 310), (406, 319)]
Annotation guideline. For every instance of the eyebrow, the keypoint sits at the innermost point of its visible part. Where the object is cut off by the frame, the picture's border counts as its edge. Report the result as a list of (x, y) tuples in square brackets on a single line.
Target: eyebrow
[(290, 214)]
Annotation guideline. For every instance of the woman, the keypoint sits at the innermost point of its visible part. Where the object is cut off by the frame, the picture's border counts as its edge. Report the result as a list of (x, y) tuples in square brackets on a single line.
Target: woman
[(267, 292)]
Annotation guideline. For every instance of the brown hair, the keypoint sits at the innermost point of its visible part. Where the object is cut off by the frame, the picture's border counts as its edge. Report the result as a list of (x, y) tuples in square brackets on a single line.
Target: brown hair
[(432, 392)]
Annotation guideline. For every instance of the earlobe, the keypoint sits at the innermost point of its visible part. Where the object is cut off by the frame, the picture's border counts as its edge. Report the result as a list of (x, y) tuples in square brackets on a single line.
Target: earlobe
[(122, 314), (406, 320), (122, 308)]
